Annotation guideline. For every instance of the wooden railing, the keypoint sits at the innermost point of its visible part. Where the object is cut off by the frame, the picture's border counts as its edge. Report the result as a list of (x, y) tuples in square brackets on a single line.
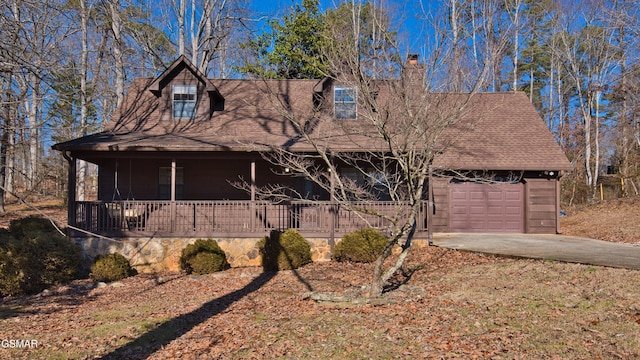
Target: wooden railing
[(230, 218)]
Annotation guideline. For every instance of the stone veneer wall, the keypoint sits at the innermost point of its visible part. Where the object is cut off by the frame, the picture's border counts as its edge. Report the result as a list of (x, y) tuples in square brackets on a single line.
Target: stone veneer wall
[(159, 254)]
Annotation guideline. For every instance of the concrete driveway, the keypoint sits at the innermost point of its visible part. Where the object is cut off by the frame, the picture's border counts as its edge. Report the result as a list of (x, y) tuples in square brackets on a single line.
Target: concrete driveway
[(552, 247)]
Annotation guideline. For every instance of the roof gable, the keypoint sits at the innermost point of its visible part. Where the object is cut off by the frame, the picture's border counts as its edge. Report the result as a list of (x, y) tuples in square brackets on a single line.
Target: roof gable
[(180, 64), (501, 131)]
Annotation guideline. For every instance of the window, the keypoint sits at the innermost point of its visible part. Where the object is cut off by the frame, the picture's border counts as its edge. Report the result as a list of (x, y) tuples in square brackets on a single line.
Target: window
[(373, 181), (184, 101), (164, 183), (344, 102), (354, 175)]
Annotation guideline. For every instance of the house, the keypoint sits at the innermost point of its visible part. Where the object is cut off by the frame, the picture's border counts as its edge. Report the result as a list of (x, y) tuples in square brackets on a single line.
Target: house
[(167, 159)]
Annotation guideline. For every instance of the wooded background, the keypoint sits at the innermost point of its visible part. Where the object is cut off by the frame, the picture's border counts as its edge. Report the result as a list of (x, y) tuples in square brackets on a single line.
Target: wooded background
[(65, 65)]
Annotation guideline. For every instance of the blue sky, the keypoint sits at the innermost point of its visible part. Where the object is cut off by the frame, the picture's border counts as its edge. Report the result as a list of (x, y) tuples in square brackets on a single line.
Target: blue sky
[(409, 15)]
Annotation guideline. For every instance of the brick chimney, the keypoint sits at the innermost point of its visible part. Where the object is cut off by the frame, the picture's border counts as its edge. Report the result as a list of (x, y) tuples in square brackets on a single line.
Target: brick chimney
[(413, 71)]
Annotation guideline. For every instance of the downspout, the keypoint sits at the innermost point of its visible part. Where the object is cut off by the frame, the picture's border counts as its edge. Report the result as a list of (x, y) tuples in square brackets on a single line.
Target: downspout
[(71, 189)]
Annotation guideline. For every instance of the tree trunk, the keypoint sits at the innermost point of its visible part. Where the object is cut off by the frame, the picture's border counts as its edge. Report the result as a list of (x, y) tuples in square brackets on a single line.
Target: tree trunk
[(32, 104), (195, 40), (116, 26), (4, 140), (551, 87), (82, 168), (587, 146), (10, 152), (516, 39), (182, 9), (377, 282), (455, 64), (596, 166)]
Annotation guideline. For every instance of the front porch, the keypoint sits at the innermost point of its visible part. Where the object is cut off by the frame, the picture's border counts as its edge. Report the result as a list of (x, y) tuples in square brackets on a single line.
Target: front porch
[(177, 202), (152, 233), (229, 218)]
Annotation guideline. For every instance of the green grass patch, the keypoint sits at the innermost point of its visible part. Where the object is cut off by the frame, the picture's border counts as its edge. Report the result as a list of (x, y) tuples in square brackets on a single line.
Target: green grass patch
[(119, 325), (8, 311)]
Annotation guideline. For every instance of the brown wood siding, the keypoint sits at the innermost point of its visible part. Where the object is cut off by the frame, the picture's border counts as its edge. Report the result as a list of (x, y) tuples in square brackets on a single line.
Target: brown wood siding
[(541, 206), (204, 179), (441, 204), (105, 181), (208, 179), (143, 184)]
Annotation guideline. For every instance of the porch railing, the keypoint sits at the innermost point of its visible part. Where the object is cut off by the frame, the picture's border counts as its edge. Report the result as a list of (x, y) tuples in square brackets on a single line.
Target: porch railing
[(229, 218)]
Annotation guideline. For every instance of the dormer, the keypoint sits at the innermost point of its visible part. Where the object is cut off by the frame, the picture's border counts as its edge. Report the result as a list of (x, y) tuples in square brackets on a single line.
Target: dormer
[(341, 100), (185, 92)]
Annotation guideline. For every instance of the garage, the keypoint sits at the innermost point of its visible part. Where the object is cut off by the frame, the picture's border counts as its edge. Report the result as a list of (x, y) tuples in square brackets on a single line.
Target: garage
[(476, 207)]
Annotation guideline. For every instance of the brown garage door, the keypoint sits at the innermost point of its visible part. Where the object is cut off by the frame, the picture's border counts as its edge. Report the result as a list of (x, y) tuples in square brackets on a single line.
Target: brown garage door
[(486, 208)]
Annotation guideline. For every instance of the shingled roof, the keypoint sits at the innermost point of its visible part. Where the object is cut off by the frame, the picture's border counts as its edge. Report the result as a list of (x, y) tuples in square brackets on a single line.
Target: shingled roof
[(503, 130), (506, 134)]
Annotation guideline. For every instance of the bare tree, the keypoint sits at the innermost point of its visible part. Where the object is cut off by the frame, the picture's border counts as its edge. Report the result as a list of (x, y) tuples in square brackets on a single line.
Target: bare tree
[(402, 122), (514, 11), (118, 56), (84, 64), (29, 54), (622, 18), (590, 60), (478, 36), (210, 23)]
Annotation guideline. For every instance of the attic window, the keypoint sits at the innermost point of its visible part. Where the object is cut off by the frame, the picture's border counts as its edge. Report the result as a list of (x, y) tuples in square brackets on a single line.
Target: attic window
[(344, 102), (184, 101)]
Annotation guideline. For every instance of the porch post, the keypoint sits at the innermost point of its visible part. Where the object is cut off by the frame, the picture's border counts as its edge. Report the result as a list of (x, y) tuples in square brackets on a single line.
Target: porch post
[(173, 180), (332, 212), (173, 195), (252, 217), (71, 198)]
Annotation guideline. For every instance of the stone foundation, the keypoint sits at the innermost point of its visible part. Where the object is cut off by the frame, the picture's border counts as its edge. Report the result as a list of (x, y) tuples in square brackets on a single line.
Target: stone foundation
[(160, 254)]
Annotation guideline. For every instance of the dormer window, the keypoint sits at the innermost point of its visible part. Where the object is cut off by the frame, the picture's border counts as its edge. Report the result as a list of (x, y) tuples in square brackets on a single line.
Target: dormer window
[(184, 101), (344, 102)]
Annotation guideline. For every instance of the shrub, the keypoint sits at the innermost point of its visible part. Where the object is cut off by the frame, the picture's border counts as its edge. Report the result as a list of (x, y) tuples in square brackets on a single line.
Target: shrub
[(10, 277), (203, 257), (31, 227), (362, 246), (35, 256), (284, 250), (112, 267)]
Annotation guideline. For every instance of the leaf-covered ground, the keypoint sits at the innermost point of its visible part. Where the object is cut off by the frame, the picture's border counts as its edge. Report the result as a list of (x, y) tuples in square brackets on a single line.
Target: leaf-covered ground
[(53, 208), (448, 304), (611, 220), (451, 305)]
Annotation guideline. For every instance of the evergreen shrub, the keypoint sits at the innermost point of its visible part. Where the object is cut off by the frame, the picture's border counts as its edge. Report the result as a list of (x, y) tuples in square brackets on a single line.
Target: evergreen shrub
[(203, 257), (284, 250), (112, 267), (363, 246), (35, 256)]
